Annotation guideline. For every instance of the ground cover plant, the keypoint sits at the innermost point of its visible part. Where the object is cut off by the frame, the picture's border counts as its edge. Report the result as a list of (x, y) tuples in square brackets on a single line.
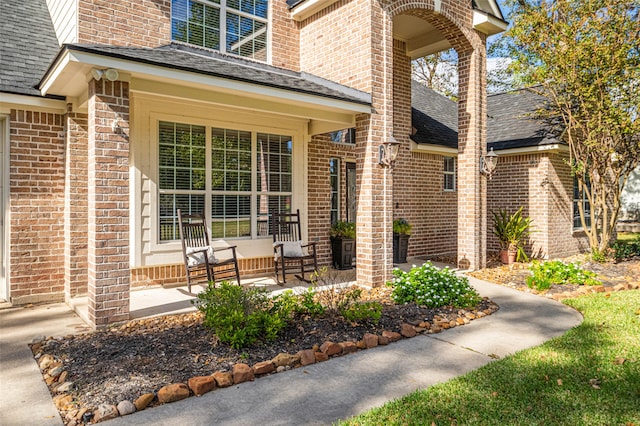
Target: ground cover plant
[(588, 376), (545, 274)]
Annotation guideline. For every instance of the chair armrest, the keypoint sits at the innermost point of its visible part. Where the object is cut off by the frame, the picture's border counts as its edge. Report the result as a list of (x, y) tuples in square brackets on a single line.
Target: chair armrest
[(232, 248)]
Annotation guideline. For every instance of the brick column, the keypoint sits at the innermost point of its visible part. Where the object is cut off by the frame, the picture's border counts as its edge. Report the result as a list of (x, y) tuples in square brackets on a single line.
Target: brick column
[(108, 206), (374, 239), (75, 205), (472, 143)]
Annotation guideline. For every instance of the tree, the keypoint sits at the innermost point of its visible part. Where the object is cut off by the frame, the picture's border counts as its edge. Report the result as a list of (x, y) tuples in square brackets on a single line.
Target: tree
[(583, 56), (438, 71)]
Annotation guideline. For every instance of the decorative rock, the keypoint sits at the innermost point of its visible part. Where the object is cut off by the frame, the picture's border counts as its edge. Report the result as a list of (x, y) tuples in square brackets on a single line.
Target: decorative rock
[(452, 324), (223, 379), (470, 315), (45, 362), (435, 330), (264, 367), (172, 393), (619, 287), (361, 345), (63, 377), (284, 359), (481, 315), (143, 401), (125, 408), (281, 368), (330, 348), (370, 340), (419, 329), (38, 339), (392, 335), (242, 373), (425, 324), (307, 357), (62, 402), (321, 356), (599, 289), (407, 330), (383, 341), (56, 371), (460, 321), (65, 387), (200, 385), (49, 380), (105, 412), (348, 347)]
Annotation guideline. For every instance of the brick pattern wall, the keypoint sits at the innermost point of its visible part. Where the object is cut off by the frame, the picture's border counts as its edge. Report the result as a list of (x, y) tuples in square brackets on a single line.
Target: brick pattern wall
[(145, 23), (36, 202), (75, 205), (108, 206), (542, 184)]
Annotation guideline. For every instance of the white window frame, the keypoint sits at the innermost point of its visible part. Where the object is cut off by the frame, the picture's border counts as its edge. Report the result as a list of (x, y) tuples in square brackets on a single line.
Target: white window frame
[(224, 11), (451, 173), (575, 212), (208, 191)]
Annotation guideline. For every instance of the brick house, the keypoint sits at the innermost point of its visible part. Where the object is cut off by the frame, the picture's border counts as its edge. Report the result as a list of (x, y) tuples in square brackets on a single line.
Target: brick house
[(114, 113)]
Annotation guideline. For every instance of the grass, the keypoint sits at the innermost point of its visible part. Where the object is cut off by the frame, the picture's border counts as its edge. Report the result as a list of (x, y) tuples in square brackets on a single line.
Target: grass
[(588, 376)]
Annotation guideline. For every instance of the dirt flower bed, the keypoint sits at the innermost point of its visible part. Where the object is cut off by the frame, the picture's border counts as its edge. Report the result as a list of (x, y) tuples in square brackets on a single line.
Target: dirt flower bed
[(614, 276), (99, 375)]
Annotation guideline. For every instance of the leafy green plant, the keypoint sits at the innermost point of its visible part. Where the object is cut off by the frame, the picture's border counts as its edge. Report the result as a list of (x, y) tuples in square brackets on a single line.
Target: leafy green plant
[(401, 226), (430, 286), (512, 230), (341, 229), (309, 305), (363, 311), (622, 250), (545, 274), (240, 316)]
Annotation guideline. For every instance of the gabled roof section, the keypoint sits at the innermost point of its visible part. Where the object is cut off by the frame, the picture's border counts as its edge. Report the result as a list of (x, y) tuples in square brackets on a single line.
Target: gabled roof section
[(28, 44), (510, 121), (435, 117), (489, 7), (177, 57)]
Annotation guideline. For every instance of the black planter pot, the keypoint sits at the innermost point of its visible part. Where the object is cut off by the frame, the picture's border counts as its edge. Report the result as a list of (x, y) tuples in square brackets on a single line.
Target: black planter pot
[(343, 251), (400, 248)]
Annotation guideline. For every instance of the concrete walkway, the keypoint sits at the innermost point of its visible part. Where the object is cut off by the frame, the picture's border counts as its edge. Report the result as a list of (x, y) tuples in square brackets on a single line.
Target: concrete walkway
[(317, 394)]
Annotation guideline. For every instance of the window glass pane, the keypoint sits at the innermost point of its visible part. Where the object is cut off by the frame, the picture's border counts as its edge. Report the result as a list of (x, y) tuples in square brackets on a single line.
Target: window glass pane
[(580, 198), (334, 173), (169, 205), (181, 157), (230, 216)]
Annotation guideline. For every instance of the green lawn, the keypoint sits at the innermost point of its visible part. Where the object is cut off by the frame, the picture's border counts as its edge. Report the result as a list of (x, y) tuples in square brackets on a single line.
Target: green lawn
[(628, 236), (589, 376)]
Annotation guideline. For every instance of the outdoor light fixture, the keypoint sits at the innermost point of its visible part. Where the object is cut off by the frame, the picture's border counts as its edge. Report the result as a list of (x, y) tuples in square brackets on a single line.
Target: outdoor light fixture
[(488, 163), (110, 74), (387, 152)]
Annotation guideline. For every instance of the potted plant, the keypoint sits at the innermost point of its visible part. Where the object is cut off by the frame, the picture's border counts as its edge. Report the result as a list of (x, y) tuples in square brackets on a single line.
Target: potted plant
[(343, 244), (511, 231), (401, 233)]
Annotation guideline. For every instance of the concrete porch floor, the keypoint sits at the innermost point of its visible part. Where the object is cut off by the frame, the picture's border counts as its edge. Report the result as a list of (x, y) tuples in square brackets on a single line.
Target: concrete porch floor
[(153, 301)]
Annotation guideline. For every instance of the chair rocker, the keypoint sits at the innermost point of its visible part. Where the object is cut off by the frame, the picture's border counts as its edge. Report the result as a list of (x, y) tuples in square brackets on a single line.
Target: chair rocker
[(200, 259), (290, 252)]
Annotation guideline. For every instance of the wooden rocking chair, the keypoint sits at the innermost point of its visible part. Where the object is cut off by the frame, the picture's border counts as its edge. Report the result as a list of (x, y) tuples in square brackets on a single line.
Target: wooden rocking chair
[(200, 259), (290, 252)]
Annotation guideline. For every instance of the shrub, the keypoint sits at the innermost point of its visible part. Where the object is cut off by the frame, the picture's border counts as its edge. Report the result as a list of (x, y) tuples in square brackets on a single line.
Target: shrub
[(625, 250), (401, 226), (341, 229), (545, 274), (363, 311), (429, 286), (239, 316), (511, 231), (307, 304)]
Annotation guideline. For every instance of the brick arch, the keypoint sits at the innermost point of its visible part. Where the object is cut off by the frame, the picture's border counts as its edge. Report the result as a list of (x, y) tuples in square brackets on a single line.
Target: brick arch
[(454, 20)]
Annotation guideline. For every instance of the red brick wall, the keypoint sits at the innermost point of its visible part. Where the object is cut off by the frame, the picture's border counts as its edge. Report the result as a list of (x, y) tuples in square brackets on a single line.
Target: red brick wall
[(543, 185), (147, 23), (36, 205)]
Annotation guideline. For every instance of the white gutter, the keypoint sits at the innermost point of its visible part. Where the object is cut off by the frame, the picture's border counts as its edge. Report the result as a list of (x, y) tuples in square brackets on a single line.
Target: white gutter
[(10, 101)]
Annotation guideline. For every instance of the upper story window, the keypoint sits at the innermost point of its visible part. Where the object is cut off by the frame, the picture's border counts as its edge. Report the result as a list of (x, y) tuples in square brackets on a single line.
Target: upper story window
[(449, 174), (238, 27)]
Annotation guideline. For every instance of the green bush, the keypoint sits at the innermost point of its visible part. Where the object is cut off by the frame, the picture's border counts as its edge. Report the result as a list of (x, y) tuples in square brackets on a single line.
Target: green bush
[(308, 304), (429, 286), (545, 274), (240, 316), (623, 250), (362, 311), (402, 226)]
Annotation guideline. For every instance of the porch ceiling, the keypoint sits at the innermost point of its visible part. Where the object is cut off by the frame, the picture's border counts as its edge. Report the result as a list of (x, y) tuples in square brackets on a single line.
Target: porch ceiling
[(326, 105)]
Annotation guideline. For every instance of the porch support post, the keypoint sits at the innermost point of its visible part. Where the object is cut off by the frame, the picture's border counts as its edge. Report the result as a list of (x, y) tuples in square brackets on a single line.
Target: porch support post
[(75, 205), (472, 143), (374, 234), (108, 207)]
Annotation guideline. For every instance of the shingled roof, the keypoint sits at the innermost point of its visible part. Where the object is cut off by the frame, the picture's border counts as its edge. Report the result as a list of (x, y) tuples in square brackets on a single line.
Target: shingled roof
[(28, 44), (510, 123), (203, 61)]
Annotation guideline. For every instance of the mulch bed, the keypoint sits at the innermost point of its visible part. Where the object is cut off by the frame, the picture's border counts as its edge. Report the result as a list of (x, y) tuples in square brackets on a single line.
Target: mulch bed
[(141, 356)]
